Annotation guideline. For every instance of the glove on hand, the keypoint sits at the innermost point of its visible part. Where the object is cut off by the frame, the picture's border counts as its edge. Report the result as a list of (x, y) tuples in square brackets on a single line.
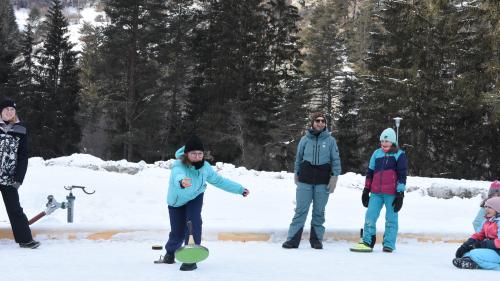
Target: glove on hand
[(245, 192), (16, 185), (365, 198), (465, 247), (486, 243), (332, 184), (398, 201)]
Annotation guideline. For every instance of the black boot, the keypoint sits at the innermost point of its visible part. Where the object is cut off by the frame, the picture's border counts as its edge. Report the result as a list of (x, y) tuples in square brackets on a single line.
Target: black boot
[(31, 244), (315, 242), (387, 249), (188, 266), (169, 258), (294, 242), (465, 263)]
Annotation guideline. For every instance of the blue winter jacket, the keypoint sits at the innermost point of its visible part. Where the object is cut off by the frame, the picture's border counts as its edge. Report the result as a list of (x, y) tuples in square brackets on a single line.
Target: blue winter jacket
[(178, 196), (318, 150)]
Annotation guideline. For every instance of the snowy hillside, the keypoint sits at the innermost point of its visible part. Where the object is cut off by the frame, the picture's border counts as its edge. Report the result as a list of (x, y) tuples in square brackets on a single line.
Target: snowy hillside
[(77, 19)]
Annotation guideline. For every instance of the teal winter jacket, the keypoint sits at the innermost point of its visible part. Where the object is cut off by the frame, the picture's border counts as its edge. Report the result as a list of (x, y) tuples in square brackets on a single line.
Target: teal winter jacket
[(178, 196), (318, 150)]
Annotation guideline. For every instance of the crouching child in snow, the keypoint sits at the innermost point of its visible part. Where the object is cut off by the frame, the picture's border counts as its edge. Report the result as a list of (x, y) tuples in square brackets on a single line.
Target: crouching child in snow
[(482, 250), (386, 181), (188, 182), (480, 217)]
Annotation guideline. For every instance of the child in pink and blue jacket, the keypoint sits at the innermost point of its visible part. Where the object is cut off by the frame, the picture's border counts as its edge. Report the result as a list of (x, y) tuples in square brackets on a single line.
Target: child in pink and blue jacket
[(482, 250), (385, 185)]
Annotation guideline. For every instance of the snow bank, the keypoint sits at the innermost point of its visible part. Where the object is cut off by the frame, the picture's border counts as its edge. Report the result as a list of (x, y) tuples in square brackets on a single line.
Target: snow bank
[(433, 187)]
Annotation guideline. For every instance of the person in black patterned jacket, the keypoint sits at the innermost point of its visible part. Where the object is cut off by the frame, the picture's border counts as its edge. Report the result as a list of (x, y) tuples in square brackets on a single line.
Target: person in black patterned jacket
[(13, 166)]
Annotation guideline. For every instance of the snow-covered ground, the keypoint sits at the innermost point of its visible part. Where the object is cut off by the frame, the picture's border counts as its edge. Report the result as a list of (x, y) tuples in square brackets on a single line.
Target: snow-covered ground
[(230, 261), (132, 197)]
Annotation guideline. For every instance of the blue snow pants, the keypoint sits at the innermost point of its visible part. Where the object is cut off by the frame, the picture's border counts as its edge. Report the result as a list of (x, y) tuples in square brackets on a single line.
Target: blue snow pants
[(377, 201), (305, 195), (179, 216), (485, 258)]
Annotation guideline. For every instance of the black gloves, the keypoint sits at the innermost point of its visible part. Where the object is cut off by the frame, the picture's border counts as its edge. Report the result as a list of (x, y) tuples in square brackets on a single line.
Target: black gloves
[(466, 247), (398, 201), (245, 192), (486, 243), (462, 250), (365, 198)]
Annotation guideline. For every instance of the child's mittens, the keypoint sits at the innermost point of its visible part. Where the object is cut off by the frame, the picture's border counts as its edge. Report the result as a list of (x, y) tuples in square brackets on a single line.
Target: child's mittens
[(398, 201), (365, 197), (488, 244), (465, 247)]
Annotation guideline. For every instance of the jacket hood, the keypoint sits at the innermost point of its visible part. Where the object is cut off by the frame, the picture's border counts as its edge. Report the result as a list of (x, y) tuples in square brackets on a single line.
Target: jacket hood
[(179, 152), (325, 133)]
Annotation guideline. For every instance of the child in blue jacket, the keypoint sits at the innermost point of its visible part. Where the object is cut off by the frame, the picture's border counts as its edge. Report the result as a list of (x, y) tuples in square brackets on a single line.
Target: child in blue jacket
[(188, 182), (386, 182)]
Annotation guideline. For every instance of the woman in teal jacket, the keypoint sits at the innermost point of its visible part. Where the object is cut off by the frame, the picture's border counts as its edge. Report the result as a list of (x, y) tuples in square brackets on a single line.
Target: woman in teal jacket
[(188, 182), (317, 167)]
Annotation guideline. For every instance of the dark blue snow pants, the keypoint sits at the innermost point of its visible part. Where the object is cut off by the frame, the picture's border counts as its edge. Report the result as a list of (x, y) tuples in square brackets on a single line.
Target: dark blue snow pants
[(179, 216)]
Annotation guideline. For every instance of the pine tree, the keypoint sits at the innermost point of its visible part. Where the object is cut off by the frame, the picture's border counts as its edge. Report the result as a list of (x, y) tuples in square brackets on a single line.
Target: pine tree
[(285, 81), (9, 49), (472, 51), (425, 65), (92, 114), (132, 46), (228, 105), (177, 68), (60, 133), (26, 77), (492, 98), (325, 46)]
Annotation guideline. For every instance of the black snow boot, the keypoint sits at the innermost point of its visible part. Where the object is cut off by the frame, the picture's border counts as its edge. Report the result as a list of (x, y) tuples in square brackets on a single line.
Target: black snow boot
[(387, 249), (465, 263), (168, 258), (188, 266), (315, 242), (294, 242), (30, 245)]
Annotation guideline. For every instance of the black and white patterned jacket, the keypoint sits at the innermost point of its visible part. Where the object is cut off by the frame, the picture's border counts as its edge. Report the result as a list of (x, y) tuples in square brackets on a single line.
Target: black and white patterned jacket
[(13, 153)]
